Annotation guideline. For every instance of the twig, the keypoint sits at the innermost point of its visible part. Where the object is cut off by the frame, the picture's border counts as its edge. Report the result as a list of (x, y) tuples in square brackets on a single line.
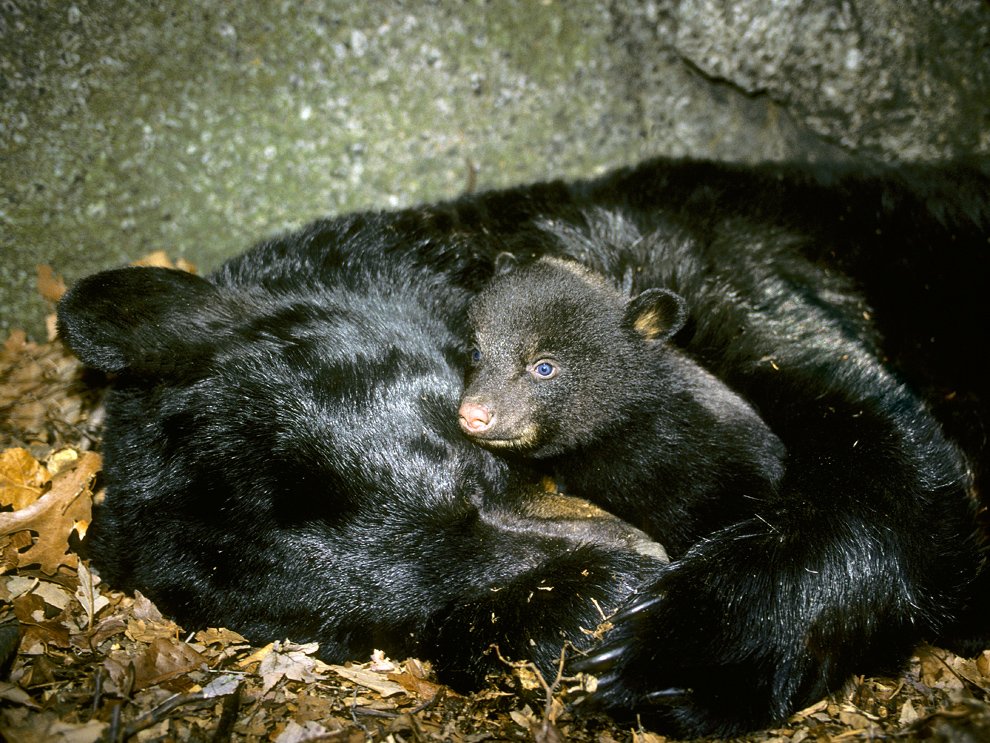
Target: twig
[(432, 701), (114, 733), (472, 176), (549, 689), (372, 712), (354, 712), (963, 680), (222, 686), (228, 716), (161, 712), (97, 691)]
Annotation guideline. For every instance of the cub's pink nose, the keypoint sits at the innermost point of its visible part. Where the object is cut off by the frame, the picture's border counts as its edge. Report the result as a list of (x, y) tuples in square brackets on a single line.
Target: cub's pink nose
[(475, 418)]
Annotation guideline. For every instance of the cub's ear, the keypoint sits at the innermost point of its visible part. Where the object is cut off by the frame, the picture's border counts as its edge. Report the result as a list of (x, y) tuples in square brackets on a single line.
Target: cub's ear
[(656, 314), (151, 321), (505, 263)]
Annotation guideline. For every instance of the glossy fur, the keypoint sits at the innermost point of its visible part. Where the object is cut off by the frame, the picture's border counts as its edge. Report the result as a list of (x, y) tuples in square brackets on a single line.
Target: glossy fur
[(283, 456)]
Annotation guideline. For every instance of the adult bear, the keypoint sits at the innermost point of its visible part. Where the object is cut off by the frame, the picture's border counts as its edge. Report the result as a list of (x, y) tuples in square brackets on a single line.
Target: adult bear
[(282, 453)]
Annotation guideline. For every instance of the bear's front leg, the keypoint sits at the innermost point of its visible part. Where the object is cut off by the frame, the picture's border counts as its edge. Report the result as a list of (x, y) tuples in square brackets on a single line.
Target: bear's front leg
[(868, 549)]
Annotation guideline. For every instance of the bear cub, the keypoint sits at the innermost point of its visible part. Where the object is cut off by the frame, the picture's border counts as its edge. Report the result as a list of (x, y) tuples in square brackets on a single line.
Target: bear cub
[(568, 370)]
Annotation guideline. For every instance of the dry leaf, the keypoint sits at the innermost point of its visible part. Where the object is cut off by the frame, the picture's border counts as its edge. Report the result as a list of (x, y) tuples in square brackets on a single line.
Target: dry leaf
[(313, 706), (290, 661), (854, 718), (936, 671), (20, 726), (221, 686), (221, 637), (21, 478), (61, 459), (50, 286), (643, 736), (908, 713), (88, 596), (145, 609), (547, 732), (973, 670), (140, 630), (12, 586), (113, 625), (53, 516), (30, 609), (53, 594), (416, 686), (369, 679), (160, 259), (257, 656), (381, 662), (165, 659), (42, 396), (524, 718), (296, 733), (527, 676), (13, 693)]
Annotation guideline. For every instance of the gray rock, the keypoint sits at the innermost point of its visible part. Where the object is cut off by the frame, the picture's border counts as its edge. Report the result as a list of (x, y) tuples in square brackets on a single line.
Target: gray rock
[(887, 78), (199, 127)]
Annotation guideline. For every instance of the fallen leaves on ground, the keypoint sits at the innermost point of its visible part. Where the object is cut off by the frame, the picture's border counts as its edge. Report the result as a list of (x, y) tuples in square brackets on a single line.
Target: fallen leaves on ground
[(81, 662), (39, 532)]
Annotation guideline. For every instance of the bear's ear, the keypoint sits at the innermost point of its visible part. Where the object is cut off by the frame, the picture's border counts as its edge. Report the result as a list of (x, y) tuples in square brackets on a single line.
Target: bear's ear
[(656, 314), (505, 262), (150, 321)]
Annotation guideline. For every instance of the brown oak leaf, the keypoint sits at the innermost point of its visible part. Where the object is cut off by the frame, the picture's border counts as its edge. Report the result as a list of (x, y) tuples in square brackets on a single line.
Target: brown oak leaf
[(53, 517), (22, 478)]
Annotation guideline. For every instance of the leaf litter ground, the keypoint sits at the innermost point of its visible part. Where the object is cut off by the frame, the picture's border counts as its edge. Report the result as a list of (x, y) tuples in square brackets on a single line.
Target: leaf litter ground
[(81, 662)]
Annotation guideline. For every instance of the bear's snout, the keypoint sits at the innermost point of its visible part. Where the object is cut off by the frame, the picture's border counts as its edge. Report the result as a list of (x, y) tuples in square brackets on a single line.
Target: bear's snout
[(475, 418)]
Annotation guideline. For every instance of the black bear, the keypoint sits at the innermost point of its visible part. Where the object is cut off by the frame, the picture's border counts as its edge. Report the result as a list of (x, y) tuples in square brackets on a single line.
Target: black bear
[(282, 451), (283, 460), (572, 372)]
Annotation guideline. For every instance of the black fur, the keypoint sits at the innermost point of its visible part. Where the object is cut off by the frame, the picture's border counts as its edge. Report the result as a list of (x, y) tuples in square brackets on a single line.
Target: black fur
[(299, 474), (572, 372), (282, 454)]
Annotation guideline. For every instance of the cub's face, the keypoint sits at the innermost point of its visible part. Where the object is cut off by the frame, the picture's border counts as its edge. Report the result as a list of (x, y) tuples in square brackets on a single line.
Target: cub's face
[(547, 366), (560, 357)]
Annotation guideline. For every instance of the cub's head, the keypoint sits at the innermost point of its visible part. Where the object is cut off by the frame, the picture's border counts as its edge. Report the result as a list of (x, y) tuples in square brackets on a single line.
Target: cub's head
[(560, 355)]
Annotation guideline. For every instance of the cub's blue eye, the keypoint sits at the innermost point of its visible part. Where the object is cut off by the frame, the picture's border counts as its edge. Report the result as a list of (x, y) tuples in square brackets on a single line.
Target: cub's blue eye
[(544, 370), (475, 355)]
